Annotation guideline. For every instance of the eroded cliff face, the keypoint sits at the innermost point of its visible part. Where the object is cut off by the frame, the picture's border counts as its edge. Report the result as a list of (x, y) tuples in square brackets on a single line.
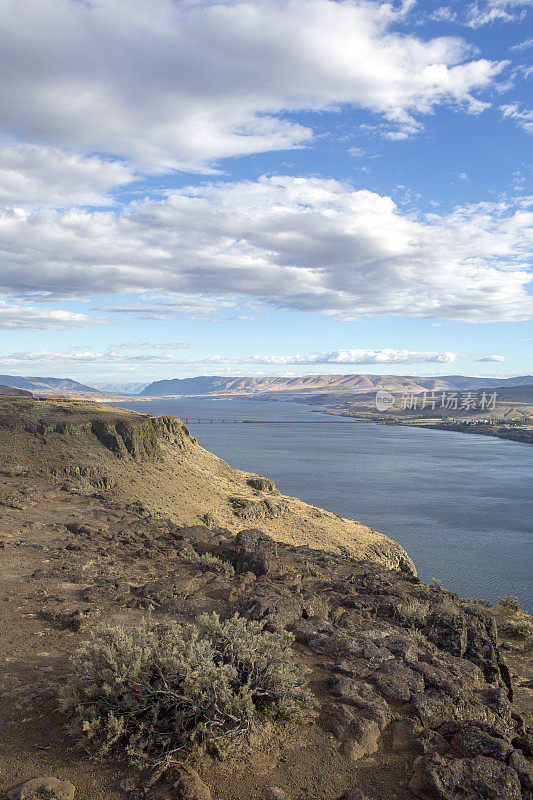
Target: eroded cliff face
[(94, 448)]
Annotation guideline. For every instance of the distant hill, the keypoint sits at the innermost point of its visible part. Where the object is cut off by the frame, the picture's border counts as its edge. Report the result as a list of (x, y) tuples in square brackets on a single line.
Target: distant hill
[(517, 394), (119, 388), (313, 385), (9, 391), (44, 385)]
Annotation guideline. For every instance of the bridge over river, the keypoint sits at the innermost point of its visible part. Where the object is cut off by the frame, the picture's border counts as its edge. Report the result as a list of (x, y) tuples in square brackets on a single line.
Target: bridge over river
[(225, 421)]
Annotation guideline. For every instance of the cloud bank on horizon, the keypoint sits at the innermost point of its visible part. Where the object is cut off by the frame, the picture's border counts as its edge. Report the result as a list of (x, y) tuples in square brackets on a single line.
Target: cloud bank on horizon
[(179, 166)]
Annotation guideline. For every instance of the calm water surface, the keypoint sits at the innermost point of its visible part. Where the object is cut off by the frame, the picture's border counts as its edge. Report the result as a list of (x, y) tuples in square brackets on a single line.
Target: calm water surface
[(460, 504)]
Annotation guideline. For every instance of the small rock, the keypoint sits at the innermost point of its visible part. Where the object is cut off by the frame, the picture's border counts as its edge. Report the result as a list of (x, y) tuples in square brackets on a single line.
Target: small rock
[(524, 770), (128, 784), (404, 736), (437, 778), (470, 739), (365, 734), (524, 743), (40, 788), (273, 793), (261, 484), (190, 786), (353, 794)]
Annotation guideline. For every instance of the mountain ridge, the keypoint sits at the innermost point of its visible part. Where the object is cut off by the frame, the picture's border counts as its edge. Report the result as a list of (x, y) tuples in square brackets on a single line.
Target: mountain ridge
[(358, 383), (45, 384)]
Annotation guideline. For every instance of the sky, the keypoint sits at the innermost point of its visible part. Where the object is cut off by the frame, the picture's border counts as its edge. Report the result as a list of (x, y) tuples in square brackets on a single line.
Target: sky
[(277, 187)]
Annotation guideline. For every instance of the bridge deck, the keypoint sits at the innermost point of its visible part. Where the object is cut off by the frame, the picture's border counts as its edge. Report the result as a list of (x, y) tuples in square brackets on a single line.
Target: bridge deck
[(196, 420)]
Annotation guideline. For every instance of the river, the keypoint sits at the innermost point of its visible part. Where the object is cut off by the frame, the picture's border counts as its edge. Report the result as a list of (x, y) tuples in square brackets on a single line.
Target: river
[(460, 504)]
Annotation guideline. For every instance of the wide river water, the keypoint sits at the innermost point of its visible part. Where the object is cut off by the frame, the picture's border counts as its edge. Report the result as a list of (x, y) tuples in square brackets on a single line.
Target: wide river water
[(460, 504)]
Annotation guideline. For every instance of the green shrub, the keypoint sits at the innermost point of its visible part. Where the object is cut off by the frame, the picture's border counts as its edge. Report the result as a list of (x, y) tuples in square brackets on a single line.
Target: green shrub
[(510, 604), (523, 628), (414, 611), (213, 563), (448, 606), (153, 692)]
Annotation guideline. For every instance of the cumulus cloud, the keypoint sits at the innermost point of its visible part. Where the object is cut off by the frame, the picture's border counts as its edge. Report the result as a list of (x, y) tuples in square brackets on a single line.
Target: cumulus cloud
[(146, 355), (361, 356), (25, 317), (304, 244), (181, 85), (32, 175), (165, 353)]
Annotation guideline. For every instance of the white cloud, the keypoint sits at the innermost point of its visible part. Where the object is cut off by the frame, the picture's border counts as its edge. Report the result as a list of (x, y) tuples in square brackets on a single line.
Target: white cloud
[(305, 244), (130, 353), (522, 116), (181, 85), (120, 354), (26, 317), (146, 356), (348, 356), (523, 45), (39, 176), (443, 14), (356, 152), (485, 12)]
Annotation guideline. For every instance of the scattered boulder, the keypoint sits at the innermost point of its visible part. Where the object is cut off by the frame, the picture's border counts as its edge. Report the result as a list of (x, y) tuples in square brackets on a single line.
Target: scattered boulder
[(524, 770), (254, 510), (189, 786), (273, 793), (479, 778), (470, 739), (43, 788), (261, 484), (405, 736)]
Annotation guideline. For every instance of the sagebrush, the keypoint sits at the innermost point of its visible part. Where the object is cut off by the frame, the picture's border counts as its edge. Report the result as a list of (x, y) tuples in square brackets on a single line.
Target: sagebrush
[(510, 604), (155, 692), (212, 563), (523, 628), (414, 611)]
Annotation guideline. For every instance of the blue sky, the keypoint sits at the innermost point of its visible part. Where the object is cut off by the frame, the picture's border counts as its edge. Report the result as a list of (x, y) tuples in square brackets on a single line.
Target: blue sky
[(265, 187)]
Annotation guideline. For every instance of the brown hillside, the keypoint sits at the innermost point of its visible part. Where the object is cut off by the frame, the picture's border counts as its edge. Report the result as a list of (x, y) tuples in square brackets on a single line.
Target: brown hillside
[(155, 461)]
